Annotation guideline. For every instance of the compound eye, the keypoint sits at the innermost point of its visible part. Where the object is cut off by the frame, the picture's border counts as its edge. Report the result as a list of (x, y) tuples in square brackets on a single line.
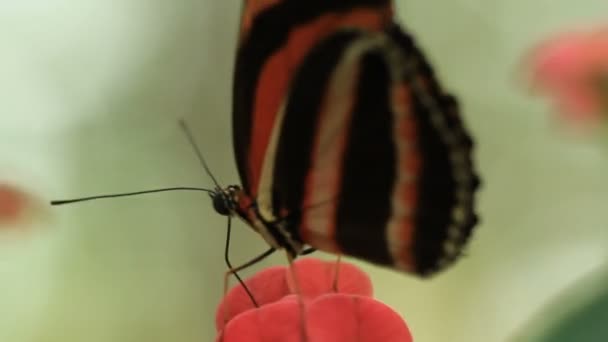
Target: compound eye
[(220, 204)]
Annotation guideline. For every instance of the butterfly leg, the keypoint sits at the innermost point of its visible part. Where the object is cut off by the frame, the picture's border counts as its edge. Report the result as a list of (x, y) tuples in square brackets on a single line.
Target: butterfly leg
[(307, 251), (336, 273), (297, 289), (251, 262), (234, 270), (231, 269)]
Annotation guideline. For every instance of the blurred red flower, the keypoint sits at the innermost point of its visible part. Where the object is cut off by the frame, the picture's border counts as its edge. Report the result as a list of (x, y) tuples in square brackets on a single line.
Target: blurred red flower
[(335, 311), (573, 69), (12, 204)]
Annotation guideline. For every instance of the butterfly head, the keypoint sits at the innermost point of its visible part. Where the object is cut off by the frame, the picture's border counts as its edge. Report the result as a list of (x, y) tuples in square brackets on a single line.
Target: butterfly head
[(225, 200)]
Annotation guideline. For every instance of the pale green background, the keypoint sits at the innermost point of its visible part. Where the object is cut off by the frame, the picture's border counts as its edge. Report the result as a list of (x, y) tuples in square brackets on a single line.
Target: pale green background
[(89, 95)]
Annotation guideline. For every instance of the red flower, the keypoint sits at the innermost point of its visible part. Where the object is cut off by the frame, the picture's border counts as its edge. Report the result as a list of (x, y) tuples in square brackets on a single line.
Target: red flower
[(573, 68), (335, 311)]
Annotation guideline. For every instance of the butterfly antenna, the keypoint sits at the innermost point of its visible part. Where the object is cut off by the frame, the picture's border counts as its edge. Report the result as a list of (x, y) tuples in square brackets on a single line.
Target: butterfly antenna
[(197, 151), (231, 269), (126, 194)]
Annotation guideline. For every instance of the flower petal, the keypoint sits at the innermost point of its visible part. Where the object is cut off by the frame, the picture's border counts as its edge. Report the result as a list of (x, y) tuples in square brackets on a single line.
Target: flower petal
[(316, 277), (347, 318), (570, 67), (558, 60), (273, 322), (267, 286)]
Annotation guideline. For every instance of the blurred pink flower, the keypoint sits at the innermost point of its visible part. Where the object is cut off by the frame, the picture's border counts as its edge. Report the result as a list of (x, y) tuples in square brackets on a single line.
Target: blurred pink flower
[(12, 204), (346, 313), (19, 209), (573, 68)]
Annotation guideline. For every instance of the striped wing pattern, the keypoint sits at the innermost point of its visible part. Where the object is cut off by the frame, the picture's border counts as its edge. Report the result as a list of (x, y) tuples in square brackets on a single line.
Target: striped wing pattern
[(344, 139)]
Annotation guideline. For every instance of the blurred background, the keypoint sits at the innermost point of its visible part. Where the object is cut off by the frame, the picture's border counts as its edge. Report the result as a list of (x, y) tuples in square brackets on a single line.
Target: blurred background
[(89, 96)]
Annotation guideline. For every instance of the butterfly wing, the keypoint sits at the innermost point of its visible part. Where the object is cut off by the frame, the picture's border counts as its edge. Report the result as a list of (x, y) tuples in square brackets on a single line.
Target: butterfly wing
[(373, 156), (342, 131), (275, 37)]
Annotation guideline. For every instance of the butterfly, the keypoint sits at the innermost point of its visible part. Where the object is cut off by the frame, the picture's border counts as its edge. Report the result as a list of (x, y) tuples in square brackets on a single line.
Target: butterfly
[(344, 140)]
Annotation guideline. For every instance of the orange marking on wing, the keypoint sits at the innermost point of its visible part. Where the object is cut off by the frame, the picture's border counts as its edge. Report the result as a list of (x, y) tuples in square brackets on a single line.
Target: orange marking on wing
[(271, 90), (409, 165), (304, 37)]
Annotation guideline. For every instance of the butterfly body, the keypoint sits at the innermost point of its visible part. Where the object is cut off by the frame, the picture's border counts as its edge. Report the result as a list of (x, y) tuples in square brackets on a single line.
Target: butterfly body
[(344, 139)]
